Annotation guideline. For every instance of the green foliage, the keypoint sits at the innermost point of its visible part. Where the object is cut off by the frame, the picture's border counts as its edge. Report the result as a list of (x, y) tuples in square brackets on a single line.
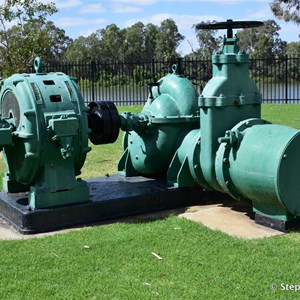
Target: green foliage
[(141, 75), (84, 82), (82, 49), (23, 33), (137, 43), (168, 39), (107, 78), (208, 42), (150, 40), (263, 42), (288, 10), (134, 43), (111, 43)]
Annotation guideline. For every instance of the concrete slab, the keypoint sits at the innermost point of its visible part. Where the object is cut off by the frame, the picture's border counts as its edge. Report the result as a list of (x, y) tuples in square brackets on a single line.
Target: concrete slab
[(8, 232), (235, 219)]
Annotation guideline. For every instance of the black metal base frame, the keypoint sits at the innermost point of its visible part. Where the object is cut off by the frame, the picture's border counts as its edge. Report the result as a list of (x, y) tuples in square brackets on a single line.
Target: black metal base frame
[(110, 197), (114, 197), (280, 225)]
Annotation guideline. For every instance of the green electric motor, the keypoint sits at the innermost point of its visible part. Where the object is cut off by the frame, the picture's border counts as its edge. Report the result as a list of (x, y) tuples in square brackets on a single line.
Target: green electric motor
[(46, 137), (44, 132)]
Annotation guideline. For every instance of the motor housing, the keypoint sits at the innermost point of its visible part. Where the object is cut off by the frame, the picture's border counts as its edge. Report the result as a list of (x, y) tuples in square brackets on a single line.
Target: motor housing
[(47, 120)]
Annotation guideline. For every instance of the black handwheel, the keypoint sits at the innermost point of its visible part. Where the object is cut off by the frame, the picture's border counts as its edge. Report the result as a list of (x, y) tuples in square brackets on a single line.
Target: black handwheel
[(229, 25)]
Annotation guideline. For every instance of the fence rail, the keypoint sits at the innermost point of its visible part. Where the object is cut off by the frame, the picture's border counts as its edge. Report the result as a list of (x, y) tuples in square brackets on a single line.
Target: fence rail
[(126, 83)]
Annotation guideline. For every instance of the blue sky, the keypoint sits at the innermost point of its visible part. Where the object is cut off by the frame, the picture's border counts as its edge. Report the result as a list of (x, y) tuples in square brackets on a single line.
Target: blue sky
[(82, 17)]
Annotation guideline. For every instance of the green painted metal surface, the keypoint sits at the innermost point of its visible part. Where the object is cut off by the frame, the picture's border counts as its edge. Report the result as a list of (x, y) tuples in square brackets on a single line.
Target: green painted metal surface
[(155, 134), (236, 152), (229, 97), (46, 142), (262, 165)]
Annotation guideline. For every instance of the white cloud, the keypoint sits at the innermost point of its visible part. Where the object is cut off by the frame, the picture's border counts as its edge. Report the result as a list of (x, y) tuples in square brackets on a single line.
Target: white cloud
[(85, 33), (214, 1), (68, 3), (130, 6), (72, 22), (261, 13), (92, 9), (151, 2), (124, 9), (154, 19), (136, 2), (182, 21), (219, 1), (289, 32)]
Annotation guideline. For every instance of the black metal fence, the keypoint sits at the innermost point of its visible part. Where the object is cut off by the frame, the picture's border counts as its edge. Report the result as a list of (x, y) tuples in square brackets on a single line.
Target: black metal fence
[(126, 83)]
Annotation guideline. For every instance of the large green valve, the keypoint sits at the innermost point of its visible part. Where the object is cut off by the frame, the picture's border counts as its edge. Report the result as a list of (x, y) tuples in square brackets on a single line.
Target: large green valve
[(235, 151), (44, 134)]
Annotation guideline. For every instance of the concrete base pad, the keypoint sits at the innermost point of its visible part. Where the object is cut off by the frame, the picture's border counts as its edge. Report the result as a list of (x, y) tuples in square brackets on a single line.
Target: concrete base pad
[(228, 219)]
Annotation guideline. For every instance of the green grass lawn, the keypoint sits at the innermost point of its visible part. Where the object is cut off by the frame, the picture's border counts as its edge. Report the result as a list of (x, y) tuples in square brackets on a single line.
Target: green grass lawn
[(116, 262)]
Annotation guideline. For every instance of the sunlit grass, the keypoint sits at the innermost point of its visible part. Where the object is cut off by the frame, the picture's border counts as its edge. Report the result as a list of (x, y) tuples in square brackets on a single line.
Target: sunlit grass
[(119, 262)]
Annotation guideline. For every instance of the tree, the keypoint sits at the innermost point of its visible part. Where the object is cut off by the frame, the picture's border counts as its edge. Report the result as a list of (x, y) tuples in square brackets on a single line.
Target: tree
[(264, 45), (168, 39), (288, 10), (263, 42), (112, 43), (20, 43), (150, 40), (208, 42), (134, 43), (293, 49), (57, 42), (83, 49), (292, 52)]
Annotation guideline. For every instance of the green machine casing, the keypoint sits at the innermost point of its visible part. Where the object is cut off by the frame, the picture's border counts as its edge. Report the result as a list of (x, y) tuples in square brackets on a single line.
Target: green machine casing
[(44, 137)]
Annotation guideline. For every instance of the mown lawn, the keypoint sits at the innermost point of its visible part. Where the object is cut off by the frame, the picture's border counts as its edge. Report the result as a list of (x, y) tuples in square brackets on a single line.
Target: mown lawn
[(116, 261)]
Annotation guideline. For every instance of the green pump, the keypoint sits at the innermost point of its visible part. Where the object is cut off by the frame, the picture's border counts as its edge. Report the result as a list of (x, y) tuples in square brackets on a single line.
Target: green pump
[(232, 150), (170, 113)]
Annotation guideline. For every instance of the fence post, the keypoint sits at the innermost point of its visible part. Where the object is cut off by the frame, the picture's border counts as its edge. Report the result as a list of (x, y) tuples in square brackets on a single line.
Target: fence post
[(286, 79), (153, 69), (179, 65), (93, 70)]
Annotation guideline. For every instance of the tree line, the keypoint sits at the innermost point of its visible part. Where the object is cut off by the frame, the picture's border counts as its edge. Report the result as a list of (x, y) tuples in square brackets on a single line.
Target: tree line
[(26, 33)]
